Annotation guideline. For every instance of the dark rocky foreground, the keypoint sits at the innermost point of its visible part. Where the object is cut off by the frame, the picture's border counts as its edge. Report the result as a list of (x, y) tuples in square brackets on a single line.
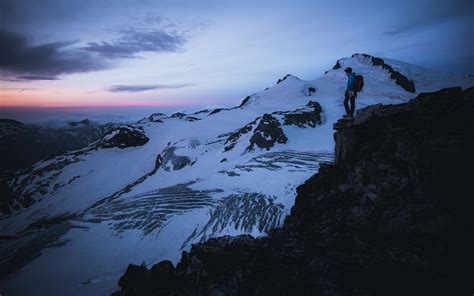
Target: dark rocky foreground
[(392, 216)]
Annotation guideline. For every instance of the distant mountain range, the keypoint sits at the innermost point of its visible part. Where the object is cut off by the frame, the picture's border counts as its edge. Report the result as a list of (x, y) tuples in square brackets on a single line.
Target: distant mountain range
[(21, 144)]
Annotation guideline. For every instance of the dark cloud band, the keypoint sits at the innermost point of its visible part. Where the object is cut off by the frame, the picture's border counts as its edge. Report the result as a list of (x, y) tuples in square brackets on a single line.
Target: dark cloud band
[(140, 88), (134, 41), (24, 61)]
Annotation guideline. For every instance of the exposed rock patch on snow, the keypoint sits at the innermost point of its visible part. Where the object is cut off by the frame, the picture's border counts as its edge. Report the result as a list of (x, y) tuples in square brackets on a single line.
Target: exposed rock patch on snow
[(267, 133), (124, 137)]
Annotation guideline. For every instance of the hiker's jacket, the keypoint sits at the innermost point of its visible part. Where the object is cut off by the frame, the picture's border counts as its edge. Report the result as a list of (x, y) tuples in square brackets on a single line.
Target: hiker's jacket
[(351, 81)]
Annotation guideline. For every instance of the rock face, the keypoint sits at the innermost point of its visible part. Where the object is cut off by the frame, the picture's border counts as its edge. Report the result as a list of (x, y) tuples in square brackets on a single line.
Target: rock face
[(233, 137), (124, 137), (174, 162), (155, 117), (283, 79), (399, 78), (267, 133), (391, 217), (245, 101), (304, 117)]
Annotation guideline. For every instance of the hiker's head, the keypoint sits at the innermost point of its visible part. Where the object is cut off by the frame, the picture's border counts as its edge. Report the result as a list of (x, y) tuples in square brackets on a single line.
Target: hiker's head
[(348, 70)]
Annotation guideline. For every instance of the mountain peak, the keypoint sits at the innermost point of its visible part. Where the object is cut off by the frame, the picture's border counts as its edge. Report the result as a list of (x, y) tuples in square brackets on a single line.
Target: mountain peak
[(286, 77), (360, 60)]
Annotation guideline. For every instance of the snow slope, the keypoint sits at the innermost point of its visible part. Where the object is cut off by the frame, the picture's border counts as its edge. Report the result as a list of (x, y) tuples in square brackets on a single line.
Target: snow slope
[(147, 191)]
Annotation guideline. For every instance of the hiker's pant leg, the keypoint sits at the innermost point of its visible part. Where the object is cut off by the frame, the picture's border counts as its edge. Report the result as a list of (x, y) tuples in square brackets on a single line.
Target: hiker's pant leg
[(346, 101), (352, 105)]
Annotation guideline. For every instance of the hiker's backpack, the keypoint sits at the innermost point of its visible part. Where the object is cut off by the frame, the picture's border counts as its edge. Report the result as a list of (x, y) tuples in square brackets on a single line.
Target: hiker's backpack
[(358, 83)]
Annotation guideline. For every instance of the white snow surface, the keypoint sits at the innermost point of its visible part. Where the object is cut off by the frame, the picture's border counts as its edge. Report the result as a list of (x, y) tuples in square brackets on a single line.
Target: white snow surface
[(104, 228)]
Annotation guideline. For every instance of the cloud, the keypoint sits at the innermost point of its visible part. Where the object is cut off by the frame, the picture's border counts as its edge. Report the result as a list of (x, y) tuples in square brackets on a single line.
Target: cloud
[(133, 41), (20, 60), (37, 77), (140, 88)]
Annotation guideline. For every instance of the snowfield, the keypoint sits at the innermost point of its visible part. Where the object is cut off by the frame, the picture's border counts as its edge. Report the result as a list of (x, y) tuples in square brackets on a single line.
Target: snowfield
[(146, 192)]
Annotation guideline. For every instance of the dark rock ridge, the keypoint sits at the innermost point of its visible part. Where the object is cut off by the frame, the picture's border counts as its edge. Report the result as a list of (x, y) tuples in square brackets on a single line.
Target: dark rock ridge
[(245, 101), (284, 78), (191, 118), (178, 115), (393, 216), (201, 111), (268, 131), (399, 78), (304, 117), (155, 117), (233, 137), (124, 137), (217, 110), (174, 162)]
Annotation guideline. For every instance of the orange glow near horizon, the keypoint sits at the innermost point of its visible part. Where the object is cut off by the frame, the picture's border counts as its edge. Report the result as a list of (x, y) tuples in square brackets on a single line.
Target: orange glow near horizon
[(71, 98)]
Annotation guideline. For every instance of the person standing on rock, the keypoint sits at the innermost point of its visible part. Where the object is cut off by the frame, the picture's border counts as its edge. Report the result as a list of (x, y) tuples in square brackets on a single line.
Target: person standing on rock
[(350, 94)]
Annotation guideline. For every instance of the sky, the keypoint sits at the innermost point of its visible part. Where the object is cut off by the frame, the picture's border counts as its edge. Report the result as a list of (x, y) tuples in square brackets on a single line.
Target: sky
[(70, 55)]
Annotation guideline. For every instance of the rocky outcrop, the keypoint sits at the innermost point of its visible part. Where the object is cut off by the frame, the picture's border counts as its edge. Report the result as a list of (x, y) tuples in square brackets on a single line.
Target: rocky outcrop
[(155, 117), (302, 117), (267, 133), (217, 110), (399, 78), (174, 162), (178, 115), (285, 77), (124, 137), (392, 216), (245, 101), (233, 137)]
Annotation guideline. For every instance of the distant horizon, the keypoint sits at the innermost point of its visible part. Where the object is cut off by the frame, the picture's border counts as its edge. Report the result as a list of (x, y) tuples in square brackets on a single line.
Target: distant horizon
[(55, 115), (60, 114)]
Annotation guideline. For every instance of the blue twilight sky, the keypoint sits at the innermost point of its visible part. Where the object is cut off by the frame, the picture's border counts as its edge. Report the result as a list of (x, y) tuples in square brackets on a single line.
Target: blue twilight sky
[(177, 54)]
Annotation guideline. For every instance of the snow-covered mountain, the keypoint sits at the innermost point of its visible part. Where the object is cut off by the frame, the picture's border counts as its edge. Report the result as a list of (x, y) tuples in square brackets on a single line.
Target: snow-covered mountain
[(147, 191)]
